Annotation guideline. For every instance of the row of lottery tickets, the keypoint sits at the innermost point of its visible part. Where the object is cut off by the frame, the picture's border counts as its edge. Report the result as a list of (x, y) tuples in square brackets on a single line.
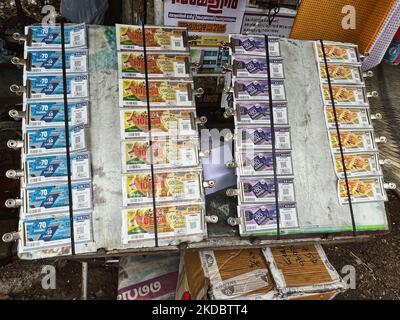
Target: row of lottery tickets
[(44, 200), (254, 157), (354, 121), (170, 142)]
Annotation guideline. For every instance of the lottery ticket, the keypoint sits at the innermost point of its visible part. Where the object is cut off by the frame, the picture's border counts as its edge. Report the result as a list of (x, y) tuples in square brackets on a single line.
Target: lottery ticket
[(130, 37), (254, 112), (262, 189), (341, 74), (358, 165), (161, 93), (164, 122), (159, 65), (362, 190), (353, 141), (348, 118), (254, 45), (167, 153), (261, 137), (256, 67), (249, 89), (253, 162), (345, 95), (337, 53)]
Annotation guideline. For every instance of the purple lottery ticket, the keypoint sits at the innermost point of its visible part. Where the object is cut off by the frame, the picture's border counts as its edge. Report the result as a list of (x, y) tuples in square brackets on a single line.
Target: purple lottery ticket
[(254, 45), (260, 137), (254, 162), (259, 112), (254, 189), (250, 67), (249, 89)]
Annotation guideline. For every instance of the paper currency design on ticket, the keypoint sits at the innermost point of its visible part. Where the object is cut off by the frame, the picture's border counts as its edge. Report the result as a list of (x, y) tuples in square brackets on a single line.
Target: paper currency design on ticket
[(362, 190), (130, 37), (169, 186), (166, 153), (172, 221), (352, 141), (358, 165), (259, 112), (164, 122), (264, 217), (337, 53), (263, 190), (348, 118), (341, 74), (161, 92), (132, 65), (345, 95)]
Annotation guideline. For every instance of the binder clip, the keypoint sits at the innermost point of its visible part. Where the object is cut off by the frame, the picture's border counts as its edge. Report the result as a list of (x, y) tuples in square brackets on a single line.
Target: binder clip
[(209, 184), (192, 39), (233, 221), (199, 92), (10, 236), (18, 61), (13, 203), (226, 68), (376, 116), (368, 74), (14, 174), (17, 89), (232, 192), (229, 113), (385, 162), (16, 115), (231, 164), (211, 219), (204, 154), (229, 137), (364, 56), (381, 140), (202, 120), (390, 186), (224, 44), (15, 144), (19, 37), (372, 94), (195, 66)]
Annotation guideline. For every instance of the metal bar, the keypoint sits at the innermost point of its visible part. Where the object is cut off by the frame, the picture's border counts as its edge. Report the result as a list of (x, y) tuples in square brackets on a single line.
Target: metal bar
[(84, 280)]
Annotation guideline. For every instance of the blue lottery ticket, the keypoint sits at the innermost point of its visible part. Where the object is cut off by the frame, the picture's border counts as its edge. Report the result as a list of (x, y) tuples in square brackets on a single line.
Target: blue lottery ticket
[(53, 168), (254, 189), (50, 61), (49, 36), (261, 137), (51, 86), (56, 231), (52, 140), (52, 113), (52, 198)]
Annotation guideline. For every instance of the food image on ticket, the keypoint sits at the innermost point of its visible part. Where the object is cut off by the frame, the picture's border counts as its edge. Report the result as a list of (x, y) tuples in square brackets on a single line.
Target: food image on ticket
[(52, 113), (262, 189), (352, 141), (345, 95), (264, 217), (49, 36), (358, 165), (52, 140), (362, 190), (132, 65), (261, 137), (45, 232), (337, 53), (258, 90), (341, 74), (169, 186), (157, 38), (164, 122), (51, 61), (51, 168), (250, 67), (254, 45), (51, 198), (173, 221), (253, 162), (167, 153), (51, 86), (161, 92), (348, 118), (252, 112)]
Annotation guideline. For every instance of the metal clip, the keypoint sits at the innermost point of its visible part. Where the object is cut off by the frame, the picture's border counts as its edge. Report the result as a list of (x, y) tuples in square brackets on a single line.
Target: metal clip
[(364, 56), (372, 94), (226, 68), (16, 115), (233, 221), (18, 61), (209, 184), (376, 116), (193, 38), (224, 44), (17, 89), (386, 162), (229, 113), (10, 236), (232, 192), (368, 74), (231, 164), (211, 219), (229, 137), (381, 140), (195, 66), (14, 174), (15, 144), (13, 203), (202, 120), (390, 186), (18, 37), (198, 92)]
